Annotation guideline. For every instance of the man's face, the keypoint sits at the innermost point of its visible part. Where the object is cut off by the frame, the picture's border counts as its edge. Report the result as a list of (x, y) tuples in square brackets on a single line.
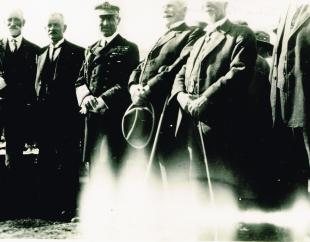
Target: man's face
[(108, 24), (214, 10), (15, 23), (173, 11), (55, 28)]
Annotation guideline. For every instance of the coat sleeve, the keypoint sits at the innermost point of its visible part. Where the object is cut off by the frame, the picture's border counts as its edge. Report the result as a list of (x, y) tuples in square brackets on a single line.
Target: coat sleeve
[(135, 75), (81, 87), (119, 91), (241, 66)]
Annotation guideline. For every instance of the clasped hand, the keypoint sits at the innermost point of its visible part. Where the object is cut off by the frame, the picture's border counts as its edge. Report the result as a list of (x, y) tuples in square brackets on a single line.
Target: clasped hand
[(93, 104), (192, 104), (139, 94)]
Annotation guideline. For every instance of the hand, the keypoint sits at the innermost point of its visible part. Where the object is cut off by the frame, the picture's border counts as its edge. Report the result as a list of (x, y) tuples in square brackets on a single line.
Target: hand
[(83, 110), (2, 83), (184, 100), (196, 106), (101, 107), (139, 94), (90, 102)]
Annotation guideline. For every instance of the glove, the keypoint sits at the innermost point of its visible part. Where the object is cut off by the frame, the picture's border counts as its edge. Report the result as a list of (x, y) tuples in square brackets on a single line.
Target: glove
[(197, 106), (2, 83), (101, 106), (139, 94)]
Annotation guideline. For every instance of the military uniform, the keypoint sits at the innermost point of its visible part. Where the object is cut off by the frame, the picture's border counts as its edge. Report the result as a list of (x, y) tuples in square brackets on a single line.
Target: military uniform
[(105, 73)]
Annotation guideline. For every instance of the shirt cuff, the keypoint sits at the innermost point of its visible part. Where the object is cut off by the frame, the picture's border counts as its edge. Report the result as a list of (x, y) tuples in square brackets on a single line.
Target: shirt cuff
[(81, 93)]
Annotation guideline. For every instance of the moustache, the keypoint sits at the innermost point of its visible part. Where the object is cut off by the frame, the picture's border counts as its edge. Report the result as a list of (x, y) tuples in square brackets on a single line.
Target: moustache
[(14, 27)]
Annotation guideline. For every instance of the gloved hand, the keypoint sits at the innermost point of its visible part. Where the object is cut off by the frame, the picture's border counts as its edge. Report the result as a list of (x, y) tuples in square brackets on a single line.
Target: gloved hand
[(101, 106), (196, 106), (90, 102), (139, 94), (2, 83)]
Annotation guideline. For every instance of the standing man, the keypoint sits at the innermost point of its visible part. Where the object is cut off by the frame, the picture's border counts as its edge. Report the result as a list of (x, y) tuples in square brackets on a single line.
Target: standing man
[(290, 95), (211, 90), (152, 80), (58, 121), (19, 63), (102, 88), (17, 96)]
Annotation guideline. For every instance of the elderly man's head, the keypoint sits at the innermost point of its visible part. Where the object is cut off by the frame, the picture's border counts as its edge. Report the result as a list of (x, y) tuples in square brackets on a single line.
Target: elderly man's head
[(15, 22), (56, 27), (214, 10), (174, 11)]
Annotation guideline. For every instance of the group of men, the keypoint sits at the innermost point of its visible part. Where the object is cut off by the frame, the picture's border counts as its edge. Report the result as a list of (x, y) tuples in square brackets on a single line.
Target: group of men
[(196, 79)]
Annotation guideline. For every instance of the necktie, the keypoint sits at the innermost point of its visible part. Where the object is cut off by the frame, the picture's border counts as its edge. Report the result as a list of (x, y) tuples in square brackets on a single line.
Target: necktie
[(52, 51), (14, 45)]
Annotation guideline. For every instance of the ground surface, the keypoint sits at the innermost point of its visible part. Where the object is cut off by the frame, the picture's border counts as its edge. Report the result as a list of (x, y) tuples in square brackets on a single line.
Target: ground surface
[(37, 229)]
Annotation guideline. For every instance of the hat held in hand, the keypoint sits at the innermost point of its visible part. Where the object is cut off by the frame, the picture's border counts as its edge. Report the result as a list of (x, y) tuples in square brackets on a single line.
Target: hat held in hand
[(138, 125)]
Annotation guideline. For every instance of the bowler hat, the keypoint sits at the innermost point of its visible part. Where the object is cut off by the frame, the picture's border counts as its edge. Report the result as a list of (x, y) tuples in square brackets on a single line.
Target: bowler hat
[(138, 125), (107, 9), (263, 39)]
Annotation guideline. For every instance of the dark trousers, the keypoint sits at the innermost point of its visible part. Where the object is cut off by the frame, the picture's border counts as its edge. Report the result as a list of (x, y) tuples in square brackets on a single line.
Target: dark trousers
[(58, 162), (103, 139), (18, 177), (292, 151)]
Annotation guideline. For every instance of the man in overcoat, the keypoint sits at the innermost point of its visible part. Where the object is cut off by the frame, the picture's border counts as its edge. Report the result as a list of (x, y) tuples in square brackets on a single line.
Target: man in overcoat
[(152, 80), (102, 89), (211, 90), (58, 121), (290, 95)]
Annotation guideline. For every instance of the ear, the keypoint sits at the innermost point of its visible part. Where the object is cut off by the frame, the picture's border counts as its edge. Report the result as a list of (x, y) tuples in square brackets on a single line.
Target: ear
[(65, 27), (23, 22), (118, 19)]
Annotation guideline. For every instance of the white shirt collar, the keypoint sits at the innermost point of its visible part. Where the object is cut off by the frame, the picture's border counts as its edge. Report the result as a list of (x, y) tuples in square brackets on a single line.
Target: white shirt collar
[(108, 39), (176, 24), (57, 44), (18, 39), (213, 26)]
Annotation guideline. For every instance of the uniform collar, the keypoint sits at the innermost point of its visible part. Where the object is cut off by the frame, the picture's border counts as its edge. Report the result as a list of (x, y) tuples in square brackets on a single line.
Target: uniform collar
[(106, 40)]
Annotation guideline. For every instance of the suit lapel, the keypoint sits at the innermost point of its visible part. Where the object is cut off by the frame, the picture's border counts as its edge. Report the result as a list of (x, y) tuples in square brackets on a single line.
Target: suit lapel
[(164, 39), (215, 40), (303, 16), (41, 61), (170, 35), (280, 29), (196, 52)]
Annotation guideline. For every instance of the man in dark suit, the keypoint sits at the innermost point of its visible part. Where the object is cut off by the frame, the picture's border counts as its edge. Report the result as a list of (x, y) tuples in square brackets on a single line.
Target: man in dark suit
[(102, 89), (152, 80), (290, 95), (58, 120), (19, 63), (211, 90), (17, 96)]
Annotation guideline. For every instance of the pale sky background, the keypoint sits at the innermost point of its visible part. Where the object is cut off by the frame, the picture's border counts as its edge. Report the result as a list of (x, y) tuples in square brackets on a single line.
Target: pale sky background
[(141, 19)]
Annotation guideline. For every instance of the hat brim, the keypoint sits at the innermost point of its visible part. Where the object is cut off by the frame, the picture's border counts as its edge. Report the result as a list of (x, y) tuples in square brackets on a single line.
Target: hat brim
[(102, 12), (138, 125)]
